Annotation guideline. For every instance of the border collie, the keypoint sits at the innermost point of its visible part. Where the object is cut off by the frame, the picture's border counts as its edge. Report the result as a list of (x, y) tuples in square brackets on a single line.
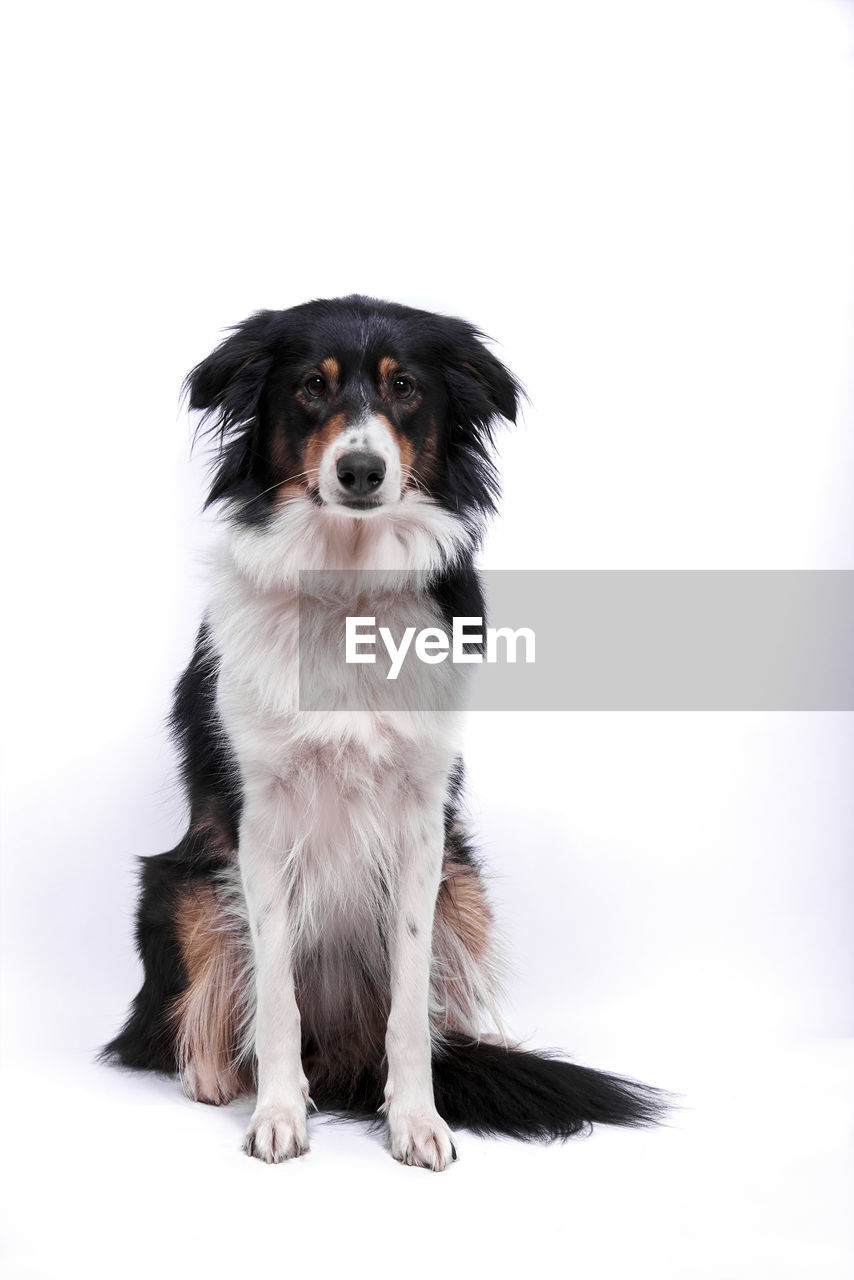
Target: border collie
[(321, 935)]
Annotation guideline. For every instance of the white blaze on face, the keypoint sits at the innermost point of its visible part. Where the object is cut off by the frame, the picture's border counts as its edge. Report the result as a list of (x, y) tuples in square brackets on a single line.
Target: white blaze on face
[(370, 434)]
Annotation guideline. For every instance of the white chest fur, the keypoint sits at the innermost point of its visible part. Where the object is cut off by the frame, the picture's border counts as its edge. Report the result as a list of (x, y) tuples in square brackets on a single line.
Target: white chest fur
[(335, 796)]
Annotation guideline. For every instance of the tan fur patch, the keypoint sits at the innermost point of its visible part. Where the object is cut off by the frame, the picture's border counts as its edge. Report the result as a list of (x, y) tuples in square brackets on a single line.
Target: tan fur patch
[(462, 901), (463, 978), (307, 466), (388, 366), (208, 1013), (331, 372), (318, 442), (422, 473), (404, 445)]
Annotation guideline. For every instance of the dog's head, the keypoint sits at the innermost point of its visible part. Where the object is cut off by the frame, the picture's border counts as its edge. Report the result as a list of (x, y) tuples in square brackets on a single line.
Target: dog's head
[(354, 405)]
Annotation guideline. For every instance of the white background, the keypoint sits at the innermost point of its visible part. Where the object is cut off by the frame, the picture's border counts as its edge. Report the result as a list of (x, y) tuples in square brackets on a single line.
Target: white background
[(650, 206)]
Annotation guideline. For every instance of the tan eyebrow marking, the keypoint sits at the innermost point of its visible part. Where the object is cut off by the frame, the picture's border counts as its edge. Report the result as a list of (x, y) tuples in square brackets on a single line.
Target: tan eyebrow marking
[(331, 371)]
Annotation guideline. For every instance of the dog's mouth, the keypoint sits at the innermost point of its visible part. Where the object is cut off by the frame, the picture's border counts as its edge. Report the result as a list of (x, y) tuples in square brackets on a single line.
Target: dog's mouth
[(355, 505), (361, 504)]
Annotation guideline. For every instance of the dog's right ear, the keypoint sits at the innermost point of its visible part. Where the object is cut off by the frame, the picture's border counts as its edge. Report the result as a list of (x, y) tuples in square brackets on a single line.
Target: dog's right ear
[(228, 384), (227, 388)]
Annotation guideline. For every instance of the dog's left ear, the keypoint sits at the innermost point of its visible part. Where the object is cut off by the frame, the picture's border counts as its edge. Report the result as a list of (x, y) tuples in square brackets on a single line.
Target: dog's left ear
[(482, 389)]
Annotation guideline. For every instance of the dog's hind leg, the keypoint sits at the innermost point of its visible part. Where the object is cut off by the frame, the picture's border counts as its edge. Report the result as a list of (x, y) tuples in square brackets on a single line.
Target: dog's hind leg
[(189, 1011), (147, 1041), (211, 1012), (466, 968)]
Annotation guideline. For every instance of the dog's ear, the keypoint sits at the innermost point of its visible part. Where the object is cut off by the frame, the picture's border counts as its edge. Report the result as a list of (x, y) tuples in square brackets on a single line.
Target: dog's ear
[(227, 385), (226, 388), (497, 383), (481, 391), (481, 388)]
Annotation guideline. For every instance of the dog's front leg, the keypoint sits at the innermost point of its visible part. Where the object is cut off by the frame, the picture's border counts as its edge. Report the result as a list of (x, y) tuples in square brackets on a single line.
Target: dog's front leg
[(418, 1134), (278, 1129)]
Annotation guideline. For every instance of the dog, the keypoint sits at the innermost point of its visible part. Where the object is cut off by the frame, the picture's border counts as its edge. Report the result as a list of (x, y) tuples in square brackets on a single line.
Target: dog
[(322, 933)]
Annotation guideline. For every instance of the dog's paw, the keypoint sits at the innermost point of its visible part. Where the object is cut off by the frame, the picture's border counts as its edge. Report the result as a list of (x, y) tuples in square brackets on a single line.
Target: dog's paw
[(420, 1138), (276, 1134), (202, 1084)]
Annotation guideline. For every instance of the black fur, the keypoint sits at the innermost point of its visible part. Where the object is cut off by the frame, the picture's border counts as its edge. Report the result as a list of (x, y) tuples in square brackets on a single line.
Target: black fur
[(147, 1040), (208, 769), (489, 1089)]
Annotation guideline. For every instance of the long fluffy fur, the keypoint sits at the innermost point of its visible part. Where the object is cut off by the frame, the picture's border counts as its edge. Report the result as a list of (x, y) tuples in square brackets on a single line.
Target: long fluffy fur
[(342, 794)]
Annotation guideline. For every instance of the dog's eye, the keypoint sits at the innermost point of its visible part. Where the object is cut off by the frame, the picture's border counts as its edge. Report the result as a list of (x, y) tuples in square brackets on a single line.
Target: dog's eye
[(403, 388), (315, 385)]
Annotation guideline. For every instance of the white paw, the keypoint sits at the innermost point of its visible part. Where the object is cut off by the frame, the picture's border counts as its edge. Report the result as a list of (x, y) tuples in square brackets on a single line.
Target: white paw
[(277, 1133), (420, 1138)]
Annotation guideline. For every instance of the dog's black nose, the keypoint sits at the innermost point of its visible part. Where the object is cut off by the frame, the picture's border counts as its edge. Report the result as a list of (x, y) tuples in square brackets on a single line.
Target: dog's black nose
[(361, 473)]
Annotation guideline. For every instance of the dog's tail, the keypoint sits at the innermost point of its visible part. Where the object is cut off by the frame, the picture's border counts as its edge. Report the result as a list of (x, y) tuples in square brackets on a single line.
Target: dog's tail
[(490, 1089)]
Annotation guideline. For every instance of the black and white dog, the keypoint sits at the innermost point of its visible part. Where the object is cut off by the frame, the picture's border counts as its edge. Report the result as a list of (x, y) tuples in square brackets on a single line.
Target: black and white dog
[(322, 932)]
